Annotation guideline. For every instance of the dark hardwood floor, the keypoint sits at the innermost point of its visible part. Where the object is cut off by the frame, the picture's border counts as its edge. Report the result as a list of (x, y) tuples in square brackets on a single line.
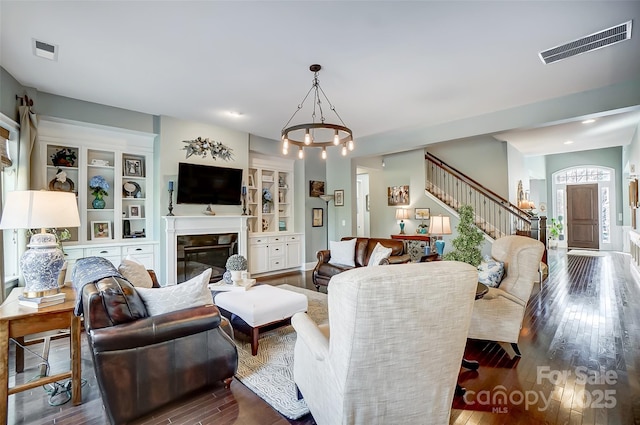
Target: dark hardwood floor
[(580, 342)]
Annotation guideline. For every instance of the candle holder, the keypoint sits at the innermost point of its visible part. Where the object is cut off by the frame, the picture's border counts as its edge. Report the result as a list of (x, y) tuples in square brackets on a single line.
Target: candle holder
[(170, 202), (244, 204)]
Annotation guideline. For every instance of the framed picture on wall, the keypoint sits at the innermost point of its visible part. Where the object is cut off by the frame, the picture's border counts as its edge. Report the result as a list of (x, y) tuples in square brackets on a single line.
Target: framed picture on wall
[(338, 198), (316, 188), (422, 214), (398, 195), (317, 218)]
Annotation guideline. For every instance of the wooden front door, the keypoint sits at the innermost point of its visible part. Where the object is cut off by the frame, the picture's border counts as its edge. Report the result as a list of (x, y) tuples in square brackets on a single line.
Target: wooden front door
[(582, 216)]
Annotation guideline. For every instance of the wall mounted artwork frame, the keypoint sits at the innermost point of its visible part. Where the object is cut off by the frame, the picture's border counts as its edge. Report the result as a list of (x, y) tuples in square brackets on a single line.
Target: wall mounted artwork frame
[(317, 217), (398, 195), (422, 213), (338, 198), (316, 188)]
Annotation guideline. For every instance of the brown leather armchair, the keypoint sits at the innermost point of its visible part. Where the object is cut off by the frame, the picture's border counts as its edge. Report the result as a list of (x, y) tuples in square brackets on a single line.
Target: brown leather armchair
[(143, 362), (323, 271)]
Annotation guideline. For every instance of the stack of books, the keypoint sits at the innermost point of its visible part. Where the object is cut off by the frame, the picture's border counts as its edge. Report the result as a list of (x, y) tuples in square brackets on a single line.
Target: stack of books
[(41, 302)]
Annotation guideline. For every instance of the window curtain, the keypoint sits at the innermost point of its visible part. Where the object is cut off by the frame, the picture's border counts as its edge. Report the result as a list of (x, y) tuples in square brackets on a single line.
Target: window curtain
[(28, 137)]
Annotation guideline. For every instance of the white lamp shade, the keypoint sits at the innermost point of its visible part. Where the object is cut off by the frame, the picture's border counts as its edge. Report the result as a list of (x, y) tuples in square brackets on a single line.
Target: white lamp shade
[(440, 225), (402, 214), (39, 209)]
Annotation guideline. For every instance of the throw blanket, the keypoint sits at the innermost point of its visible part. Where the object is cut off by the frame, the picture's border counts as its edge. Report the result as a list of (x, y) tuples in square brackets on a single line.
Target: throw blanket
[(90, 270)]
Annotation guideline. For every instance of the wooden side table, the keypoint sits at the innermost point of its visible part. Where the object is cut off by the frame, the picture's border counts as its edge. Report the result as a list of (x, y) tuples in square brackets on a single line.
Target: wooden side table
[(414, 244), (16, 322)]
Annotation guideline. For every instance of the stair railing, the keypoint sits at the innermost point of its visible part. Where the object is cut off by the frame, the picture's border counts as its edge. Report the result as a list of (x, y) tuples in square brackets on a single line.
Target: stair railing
[(494, 215)]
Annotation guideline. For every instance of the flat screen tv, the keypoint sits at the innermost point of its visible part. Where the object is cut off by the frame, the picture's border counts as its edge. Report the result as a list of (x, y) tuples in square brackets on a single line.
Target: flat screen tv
[(206, 184)]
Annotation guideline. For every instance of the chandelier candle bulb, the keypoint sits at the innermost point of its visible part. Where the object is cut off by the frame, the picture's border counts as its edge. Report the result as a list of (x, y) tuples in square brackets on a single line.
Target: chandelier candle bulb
[(350, 145), (300, 153), (307, 138), (344, 150), (324, 153), (336, 138)]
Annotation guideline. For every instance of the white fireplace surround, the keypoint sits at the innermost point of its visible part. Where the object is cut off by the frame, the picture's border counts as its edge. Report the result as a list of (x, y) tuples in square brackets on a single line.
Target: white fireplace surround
[(200, 225)]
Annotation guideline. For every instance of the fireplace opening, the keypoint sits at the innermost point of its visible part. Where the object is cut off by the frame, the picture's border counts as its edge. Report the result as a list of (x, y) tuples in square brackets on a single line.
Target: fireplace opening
[(196, 253)]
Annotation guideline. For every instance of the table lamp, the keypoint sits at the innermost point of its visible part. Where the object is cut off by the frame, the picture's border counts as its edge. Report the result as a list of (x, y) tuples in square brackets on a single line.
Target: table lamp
[(440, 225), (402, 214), (32, 209)]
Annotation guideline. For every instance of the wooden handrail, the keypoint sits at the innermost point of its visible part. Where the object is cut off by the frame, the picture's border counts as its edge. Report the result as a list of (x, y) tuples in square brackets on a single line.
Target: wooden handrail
[(478, 186)]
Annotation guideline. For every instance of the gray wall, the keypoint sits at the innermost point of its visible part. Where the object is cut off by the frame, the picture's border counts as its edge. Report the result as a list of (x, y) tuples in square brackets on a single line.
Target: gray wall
[(9, 88), (482, 158)]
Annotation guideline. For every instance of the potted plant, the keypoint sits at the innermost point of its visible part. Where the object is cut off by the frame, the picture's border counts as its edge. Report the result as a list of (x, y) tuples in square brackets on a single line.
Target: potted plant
[(555, 231), (99, 187), (236, 264), (467, 243)]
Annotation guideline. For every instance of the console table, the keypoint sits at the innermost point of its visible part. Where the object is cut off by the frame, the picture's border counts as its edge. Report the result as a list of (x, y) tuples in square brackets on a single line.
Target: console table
[(16, 322), (414, 244)]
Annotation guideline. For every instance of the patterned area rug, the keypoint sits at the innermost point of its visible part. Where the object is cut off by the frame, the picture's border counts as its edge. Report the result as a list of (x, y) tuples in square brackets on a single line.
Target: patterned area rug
[(269, 374)]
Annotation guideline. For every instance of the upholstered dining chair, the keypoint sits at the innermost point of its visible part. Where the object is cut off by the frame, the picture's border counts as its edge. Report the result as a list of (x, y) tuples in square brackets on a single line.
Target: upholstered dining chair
[(392, 350), (498, 315)]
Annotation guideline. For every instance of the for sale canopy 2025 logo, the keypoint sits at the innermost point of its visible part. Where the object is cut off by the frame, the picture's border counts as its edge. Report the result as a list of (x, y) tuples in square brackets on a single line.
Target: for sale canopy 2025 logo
[(597, 396)]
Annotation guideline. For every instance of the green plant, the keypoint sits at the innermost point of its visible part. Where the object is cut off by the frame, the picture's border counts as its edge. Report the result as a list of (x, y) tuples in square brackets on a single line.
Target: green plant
[(467, 243), (236, 263), (556, 227)]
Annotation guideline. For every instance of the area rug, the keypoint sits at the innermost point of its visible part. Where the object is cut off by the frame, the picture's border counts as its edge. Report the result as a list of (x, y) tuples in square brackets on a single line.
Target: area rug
[(269, 374), (586, 253)]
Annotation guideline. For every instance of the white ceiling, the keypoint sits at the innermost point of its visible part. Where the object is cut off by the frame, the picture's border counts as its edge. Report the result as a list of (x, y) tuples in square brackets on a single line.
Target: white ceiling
[(387, 66)]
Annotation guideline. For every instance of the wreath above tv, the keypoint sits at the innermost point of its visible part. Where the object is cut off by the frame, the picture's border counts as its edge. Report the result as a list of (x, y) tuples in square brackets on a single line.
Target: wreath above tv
[(201, 146)]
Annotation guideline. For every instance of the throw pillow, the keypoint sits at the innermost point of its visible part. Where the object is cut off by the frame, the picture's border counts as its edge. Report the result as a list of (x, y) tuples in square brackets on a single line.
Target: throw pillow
[(192, 293), (378, 254), (135, 272), (343, 252), (490, 272)]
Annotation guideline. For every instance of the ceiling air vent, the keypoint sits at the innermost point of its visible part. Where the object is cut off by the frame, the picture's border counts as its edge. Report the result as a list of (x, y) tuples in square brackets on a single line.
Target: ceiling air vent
[(591, 42), (45, 50)]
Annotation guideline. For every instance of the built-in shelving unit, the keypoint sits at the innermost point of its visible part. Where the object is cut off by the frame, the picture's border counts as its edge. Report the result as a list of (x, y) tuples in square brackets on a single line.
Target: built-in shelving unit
[(69, 155)]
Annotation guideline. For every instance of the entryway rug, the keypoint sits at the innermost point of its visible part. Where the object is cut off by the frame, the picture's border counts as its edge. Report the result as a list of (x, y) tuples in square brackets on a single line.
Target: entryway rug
[(269, 374), (586, 253)]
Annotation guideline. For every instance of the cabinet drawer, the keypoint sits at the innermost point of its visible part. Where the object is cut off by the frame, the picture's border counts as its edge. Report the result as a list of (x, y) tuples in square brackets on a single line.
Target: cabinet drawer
[(104, 251), (258, 241), (276, 239), (137, 249), (73, 254), (293, 238), (276, 250), (277, 263)]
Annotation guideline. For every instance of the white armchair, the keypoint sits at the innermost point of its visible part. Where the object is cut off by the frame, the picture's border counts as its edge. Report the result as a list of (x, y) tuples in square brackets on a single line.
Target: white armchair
[(498, 315), (392, 351)]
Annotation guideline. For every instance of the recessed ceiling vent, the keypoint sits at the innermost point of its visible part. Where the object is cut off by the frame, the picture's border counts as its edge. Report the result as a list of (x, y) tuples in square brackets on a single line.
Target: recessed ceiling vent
[(45, 50), (591, 42)]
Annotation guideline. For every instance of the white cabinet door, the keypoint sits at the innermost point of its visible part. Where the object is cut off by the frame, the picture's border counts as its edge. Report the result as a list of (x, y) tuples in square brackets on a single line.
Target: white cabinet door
[(293, 251), (258, 255)]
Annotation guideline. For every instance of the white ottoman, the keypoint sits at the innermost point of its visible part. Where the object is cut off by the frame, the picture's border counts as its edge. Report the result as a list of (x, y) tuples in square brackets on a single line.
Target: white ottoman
[(261, 306)]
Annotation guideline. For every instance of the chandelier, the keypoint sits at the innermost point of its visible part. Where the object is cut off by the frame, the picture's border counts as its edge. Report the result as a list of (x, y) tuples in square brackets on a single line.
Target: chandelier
[(317, 133)]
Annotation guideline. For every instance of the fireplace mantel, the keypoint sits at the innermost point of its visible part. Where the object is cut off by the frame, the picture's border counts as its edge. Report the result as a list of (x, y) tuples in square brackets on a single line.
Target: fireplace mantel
[(200, 225)]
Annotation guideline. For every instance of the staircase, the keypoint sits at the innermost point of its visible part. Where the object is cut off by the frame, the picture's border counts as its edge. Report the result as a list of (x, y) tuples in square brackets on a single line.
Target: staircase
[(494, 215)]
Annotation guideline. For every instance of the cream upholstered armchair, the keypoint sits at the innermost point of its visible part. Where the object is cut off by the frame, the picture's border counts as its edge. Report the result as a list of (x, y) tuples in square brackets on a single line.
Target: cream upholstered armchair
[(498, 315), (392, 351)]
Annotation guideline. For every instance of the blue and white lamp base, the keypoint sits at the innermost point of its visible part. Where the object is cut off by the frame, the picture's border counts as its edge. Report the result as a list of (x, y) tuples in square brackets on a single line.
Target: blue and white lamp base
[(41, 266), (440, 247)]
